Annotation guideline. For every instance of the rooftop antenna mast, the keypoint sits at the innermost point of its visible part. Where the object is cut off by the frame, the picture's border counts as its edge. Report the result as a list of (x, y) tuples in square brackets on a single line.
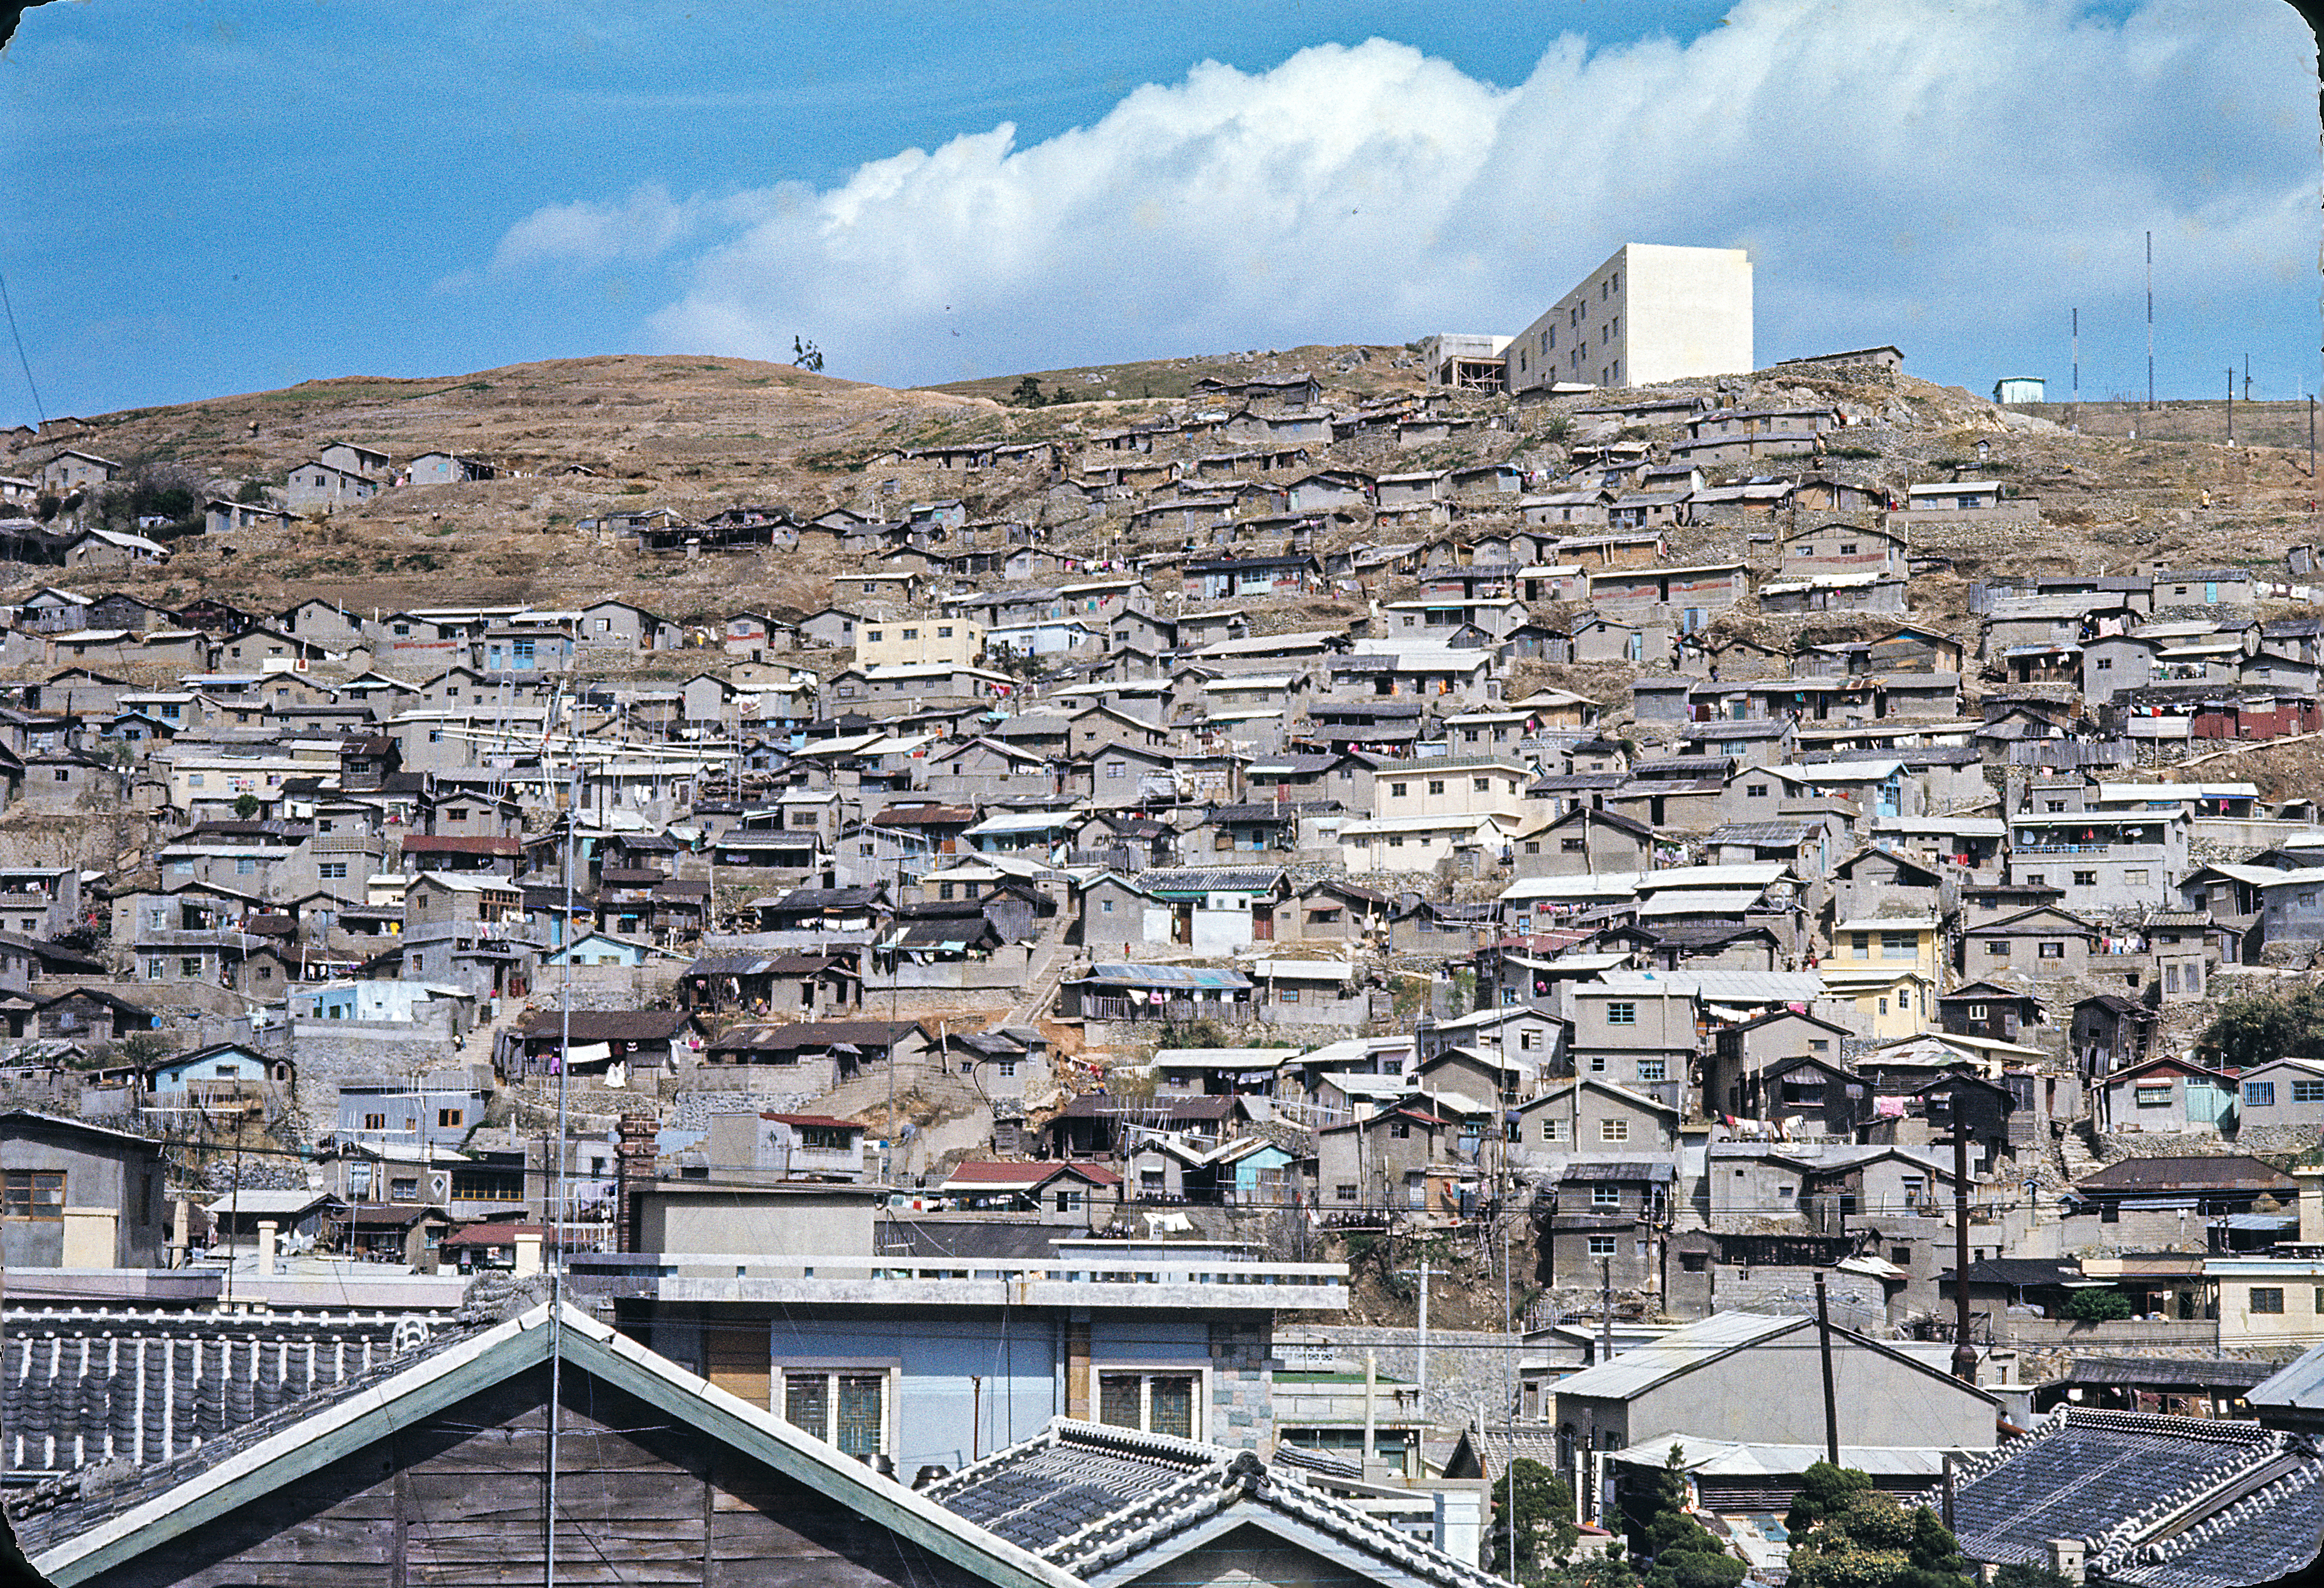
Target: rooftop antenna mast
[(2149, 319)]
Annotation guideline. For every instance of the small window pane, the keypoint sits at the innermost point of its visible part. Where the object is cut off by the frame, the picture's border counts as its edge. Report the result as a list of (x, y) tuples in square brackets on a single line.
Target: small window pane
[(1117, 1400), (807, 1402), (1173, 1406)]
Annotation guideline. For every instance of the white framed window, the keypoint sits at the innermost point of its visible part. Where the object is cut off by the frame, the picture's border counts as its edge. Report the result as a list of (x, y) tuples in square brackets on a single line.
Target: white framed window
[(847, 1406), (1605, 1245), (1152, 1402), (1613, 1130)]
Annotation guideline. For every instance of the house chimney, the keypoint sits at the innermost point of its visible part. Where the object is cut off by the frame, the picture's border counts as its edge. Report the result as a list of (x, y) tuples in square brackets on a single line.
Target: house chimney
[(2311, 1203), (636, 1153), (266, 1246), (2066, 1557), (528, 1253), (1458, 1531)]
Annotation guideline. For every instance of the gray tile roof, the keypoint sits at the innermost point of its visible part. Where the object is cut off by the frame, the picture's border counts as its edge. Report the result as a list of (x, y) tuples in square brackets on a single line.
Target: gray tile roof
[(2161, 1501), (1088, 1498), (137, 1387)]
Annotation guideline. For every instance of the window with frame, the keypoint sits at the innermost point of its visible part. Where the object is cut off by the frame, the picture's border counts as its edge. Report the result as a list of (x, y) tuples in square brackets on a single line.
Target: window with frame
[(406, 1190), (1654, 1069), (375, 1121), (848, 1409), (2051, 950), (2259, 1094), (1345, 1191), (34, 1193), (1900, 945), (1155, 1403), (1605, 1195), (1436, 786), (1605, 1245), (2266, 1298), (1396, 791), (1622, 1012), (1613, 1130), (1997, 948), (1553, 1130), (2086, 880), (2308, 1091), (2154, 1095)]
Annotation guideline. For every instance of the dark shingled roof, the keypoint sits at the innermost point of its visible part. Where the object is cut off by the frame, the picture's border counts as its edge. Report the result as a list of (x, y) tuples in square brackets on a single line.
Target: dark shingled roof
[(2162, 1501), (2218, 1172), (606, 1025)]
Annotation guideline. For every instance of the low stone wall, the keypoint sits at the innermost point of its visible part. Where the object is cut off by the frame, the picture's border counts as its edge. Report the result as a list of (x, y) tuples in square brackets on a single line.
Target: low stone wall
[(1467, 1367), (2256, 1140), (328, 1051)]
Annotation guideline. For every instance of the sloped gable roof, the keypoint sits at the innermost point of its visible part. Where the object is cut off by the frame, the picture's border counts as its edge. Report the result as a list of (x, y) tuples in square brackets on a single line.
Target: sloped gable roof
[(103, 1534)]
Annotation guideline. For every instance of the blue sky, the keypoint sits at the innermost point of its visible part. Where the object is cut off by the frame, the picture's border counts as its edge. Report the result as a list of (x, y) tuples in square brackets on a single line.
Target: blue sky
[(223, 198)]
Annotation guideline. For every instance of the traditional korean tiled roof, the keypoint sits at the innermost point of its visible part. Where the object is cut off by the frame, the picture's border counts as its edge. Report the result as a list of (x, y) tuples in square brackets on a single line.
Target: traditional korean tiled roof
[(1087, 1497), (2162, 1501)]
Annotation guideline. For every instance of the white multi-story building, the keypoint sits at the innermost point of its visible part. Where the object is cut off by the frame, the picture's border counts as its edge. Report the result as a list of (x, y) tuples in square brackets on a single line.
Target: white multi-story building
[(1650, 313)]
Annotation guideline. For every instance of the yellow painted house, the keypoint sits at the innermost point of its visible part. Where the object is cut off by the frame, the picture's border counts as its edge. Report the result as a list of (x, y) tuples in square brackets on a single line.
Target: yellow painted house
[(1913, 943), (1898, 1001)]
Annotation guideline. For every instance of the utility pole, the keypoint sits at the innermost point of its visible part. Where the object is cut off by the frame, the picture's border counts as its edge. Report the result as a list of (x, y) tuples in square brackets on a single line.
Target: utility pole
[(1605, 1309), (1424, 1271), (1823, 1349), (2077, 370), (1964, 1354), (2149, 319), (2231, 405)]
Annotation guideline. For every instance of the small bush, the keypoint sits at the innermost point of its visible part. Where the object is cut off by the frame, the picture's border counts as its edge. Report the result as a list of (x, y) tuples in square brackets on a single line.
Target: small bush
[(2096, 1305)]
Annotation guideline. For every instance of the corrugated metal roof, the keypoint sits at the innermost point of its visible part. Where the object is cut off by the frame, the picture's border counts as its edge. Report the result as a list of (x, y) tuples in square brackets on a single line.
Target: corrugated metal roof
[(1636, 1372)]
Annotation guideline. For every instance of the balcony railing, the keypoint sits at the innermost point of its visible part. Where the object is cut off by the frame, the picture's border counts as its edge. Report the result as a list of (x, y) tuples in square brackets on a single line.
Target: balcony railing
[(1067, 1281)]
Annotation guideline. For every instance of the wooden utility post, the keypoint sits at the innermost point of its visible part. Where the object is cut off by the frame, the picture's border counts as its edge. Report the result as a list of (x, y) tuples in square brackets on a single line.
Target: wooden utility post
[(1823, 1349), (1964, 1354)]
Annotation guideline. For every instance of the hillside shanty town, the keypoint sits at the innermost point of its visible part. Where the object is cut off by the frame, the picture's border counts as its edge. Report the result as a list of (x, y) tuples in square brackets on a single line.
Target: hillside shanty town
[(1499, 960)]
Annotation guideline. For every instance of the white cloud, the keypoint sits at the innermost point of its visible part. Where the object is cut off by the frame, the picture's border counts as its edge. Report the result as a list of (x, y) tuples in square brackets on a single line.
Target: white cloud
[(644, 226), (1946, 173)]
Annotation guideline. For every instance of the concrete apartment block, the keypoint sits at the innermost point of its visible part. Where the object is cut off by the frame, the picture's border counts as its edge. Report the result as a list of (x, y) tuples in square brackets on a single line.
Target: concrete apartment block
[(1650, 313)]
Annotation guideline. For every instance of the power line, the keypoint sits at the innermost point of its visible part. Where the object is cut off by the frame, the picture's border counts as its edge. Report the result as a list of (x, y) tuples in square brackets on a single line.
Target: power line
[(21, 359)]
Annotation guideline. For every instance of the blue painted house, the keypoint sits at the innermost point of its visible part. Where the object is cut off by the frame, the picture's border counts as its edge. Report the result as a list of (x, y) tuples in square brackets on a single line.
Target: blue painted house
[(223, 1066)]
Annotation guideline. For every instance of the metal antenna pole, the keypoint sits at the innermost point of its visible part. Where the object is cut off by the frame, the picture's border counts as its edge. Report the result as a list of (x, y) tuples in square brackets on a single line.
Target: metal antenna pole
[(2149, 319)]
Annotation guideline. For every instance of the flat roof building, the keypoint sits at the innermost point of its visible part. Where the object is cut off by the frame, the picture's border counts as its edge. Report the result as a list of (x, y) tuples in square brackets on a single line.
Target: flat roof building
[(1650, 313)]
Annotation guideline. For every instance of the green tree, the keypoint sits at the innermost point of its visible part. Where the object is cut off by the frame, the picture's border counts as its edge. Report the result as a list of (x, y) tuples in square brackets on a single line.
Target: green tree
[(1026, 393), (2261, 1027), (2024, 1574), (1849, 1535), (2096, 1305), (1682, 1551), (1543, 1507), (247, 806), (1610, 1569)]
